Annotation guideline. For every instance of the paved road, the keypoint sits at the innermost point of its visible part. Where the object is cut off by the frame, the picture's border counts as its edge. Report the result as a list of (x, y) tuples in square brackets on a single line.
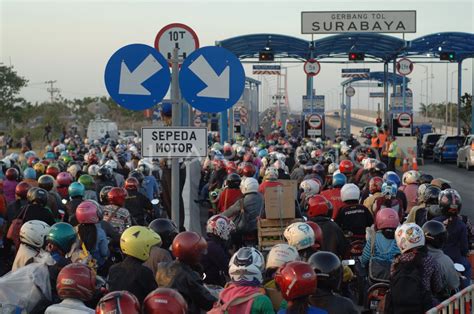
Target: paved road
[(461, 179)]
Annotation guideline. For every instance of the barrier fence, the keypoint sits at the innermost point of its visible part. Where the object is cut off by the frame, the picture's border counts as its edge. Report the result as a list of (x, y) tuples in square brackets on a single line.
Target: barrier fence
[(459, 303)]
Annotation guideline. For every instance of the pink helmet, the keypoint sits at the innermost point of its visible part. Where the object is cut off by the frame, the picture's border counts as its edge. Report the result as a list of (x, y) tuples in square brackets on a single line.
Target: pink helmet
[(87, 213), (64, 179), (386, 218)]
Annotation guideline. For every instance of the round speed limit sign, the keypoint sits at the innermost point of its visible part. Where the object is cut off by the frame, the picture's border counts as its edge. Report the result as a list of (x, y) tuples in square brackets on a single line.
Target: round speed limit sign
[(173, 35), (404, 66), (312, 67)]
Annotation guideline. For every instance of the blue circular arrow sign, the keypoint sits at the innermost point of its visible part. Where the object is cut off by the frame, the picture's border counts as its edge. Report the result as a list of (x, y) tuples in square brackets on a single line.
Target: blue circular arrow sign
[(212, 79), (137, 77)]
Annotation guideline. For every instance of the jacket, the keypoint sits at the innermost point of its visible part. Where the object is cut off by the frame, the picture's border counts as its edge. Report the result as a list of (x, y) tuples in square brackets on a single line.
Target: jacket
[(37, 212), (157, 255), (179, 276), (411, 193), (332, 302), (456, 246), (70, 306), (253, 206), (355, 218), (227, 198), (9, 187), (25, 255), (132, 276), (138, 204), (449, 275), (384, 249), (334, 240), (215, 262), (151, 187), (260, 304)]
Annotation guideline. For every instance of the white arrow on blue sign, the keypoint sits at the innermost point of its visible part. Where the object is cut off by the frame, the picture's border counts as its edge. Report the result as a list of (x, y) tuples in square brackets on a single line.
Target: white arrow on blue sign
[(137, 77), (212, 79)]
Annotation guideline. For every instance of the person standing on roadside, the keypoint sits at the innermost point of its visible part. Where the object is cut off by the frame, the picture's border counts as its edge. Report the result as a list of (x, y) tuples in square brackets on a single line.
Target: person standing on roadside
[(392, 152)]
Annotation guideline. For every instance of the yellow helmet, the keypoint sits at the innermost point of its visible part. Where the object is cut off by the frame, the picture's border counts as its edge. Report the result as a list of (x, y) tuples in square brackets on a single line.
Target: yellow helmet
[(137, 241), (39, 167)]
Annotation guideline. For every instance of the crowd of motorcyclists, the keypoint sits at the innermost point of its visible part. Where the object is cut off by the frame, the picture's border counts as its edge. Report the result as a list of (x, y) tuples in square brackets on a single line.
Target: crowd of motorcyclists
[(81, 231)]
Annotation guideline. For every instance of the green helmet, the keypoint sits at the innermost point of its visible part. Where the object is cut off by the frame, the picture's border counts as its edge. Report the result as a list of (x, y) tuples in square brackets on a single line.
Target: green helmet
[(66, 159), (87, 181), (63, 235), (76, 189)]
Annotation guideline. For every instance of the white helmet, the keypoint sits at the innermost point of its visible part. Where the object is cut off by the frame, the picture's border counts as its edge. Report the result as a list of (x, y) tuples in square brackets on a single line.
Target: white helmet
[(345, 150), (281, 254), (246, 265), (343, 143), (74, 169), (112, 164), (350, 192), (309, 187), (300, 235), (420, 192), (410, 177), (319, 140), (220, 226), (409, 236), (370, 163), (271, 173), (34, 233), (248, 185), (332, 168), (281, 157), (93, 170)]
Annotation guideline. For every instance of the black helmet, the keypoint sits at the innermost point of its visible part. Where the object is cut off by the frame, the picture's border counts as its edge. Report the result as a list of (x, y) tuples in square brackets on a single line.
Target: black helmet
[(144, 169), (435, 233), (46, 182), (104, 173), (137, 175), (450, 202), (431, 194), (426, 178), (328, 268), (380, 167), (302, 159), (37, 196), (167, 230), (233, 181), (103, 195)]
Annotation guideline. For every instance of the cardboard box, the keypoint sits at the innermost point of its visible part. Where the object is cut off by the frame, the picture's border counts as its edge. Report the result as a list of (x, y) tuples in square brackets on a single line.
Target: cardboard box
[(280, 202)]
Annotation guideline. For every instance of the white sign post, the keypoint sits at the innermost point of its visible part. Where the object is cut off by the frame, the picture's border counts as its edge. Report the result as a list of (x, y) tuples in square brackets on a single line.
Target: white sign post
[(176, 35), (175, 142), (330, 22)]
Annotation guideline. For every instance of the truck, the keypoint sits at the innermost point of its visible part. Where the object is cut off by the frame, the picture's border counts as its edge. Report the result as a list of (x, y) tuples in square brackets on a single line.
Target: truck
[(99, 127)]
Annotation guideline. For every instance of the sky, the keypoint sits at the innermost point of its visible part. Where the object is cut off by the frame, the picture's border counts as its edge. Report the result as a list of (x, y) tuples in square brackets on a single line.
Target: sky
[(71, 41)]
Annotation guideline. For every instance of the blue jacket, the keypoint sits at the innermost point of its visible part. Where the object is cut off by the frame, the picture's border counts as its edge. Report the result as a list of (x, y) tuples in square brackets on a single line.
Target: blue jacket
[(151, 187), (101, 250), (384, 249), (456, 245)]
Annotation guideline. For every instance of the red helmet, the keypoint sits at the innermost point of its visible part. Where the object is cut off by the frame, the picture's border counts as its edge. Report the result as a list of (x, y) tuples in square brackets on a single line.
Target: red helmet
[(87, 213), (165, 301), (318, 205), (45, 162), (32, 161), (117, 196), (52, 170), (218, 164), (91, 158), (296, 280), (64, 179), (248, 170), (12, 174), (188, 247), (318, 235), (21, 190), (76, 281), (386, 218), (231, 167), (118, 302), (375, 185), (346, 167), (132, 184), (360, 156)]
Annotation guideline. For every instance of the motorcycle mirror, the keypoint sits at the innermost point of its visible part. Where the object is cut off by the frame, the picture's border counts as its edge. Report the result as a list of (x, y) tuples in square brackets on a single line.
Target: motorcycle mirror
[(64, 201), (155, 201), (348, 262), (459, 267)]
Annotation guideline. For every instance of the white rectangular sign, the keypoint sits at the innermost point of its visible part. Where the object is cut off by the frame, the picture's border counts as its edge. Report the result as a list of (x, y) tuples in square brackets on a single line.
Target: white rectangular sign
[(314, 132), (404, 130), (174, 142), (330, 22)]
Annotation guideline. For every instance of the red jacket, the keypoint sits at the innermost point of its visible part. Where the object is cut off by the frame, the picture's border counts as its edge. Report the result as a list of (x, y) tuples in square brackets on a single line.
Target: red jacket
[(227, 198), (334, 197)]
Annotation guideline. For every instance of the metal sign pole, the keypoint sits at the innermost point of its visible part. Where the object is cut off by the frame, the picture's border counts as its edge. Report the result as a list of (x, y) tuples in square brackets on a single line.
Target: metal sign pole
[(342, 110), (404, 94), (348, 116), (176, 119)]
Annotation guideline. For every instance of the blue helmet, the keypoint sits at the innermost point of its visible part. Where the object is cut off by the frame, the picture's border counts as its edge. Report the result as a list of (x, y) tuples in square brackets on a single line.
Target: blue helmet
[(263, 153), (338, 180), (29, 173), (76, 189), (392, 176), (389, 188), (166, 109)]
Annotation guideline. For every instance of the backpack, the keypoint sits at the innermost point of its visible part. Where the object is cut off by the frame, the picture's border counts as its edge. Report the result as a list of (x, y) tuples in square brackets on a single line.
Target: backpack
[(13, 232), (223, 308), (407, 294), (83, 256)]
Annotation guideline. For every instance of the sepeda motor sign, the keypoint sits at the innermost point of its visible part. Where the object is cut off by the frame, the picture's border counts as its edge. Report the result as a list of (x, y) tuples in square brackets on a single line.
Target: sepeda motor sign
[(329, 22)]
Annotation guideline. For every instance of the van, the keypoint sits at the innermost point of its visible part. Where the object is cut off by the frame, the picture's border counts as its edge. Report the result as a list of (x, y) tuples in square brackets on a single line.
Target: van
[(99, 127)]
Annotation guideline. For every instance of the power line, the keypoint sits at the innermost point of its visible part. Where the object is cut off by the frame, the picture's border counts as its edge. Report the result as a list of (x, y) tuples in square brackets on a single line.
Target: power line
[(52, 90)]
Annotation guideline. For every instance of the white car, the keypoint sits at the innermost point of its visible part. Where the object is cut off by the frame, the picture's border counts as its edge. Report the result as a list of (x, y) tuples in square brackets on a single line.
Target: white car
[(128, 134), (466, 153)]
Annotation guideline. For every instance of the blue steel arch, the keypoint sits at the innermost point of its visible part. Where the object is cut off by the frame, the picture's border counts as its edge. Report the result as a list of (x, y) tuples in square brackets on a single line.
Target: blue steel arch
[(461, 43)]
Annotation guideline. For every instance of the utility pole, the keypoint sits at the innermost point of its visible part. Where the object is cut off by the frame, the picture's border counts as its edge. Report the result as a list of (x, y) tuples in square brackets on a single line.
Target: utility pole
[(52, 90)]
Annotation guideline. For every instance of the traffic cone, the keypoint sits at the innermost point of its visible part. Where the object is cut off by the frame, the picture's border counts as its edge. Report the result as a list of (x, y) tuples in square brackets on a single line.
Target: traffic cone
[(405, 165), (415, 164)]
